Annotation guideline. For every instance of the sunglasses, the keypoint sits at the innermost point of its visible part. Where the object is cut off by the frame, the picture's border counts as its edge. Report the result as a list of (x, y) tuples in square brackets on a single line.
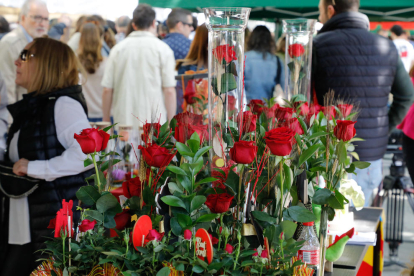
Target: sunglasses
[(24, 55), (188, 24)]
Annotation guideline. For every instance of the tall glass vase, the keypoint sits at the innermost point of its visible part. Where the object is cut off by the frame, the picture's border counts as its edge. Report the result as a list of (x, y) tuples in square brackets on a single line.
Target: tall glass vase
[(298, 57), (226, 28)]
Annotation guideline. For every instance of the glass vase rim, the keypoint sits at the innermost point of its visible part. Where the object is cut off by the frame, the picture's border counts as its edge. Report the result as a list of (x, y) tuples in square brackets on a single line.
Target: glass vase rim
[(228, 8), (296, 21)]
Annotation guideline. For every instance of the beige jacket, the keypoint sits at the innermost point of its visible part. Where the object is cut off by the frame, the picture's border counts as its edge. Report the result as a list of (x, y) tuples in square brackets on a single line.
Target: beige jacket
[(10, 47)]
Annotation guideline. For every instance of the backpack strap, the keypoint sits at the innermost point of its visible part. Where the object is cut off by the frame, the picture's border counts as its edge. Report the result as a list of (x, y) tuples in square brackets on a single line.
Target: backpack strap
[(279, 70)]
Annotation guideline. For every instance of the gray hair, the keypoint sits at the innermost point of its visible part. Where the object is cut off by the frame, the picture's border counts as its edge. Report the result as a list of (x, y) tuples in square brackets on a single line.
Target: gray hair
[(177, 15), (123, 21), (26, 6)]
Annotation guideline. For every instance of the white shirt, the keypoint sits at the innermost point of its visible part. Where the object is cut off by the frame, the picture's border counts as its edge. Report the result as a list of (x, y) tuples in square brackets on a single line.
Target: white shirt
[(137, 70), (92, 90), (70, 118), (406, 52)]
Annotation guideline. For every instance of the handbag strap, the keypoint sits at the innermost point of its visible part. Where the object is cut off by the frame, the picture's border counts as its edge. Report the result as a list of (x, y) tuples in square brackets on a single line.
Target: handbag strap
[(278, 70)]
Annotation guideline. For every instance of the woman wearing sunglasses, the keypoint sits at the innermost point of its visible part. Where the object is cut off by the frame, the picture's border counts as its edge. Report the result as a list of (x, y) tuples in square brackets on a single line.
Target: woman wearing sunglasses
[(41, 145)]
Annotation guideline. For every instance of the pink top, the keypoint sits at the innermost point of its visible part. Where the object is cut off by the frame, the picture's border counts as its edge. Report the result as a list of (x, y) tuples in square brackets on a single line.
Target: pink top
[(407, 125)]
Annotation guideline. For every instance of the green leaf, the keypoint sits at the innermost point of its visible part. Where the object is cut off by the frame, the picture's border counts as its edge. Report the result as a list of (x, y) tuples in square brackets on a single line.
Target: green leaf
[(201, 152), (317, 135), (355, 155), (88, 194), (105, 165), (300, 214), (341, 152), (183, 149), (351, 169), (302, 123), (361, 164), (175, 226), (94, 215), (194, 145), (228, 83), (206, 180), (185, 182), (184, 221), (207, 218), (197, 202), (321, 196), (197, 269), (308, 153), (108, 128), (173, 187), (337, 200), (288, 177), (108, 202), (215, 266), (165, 271), (173, 201), (294, 195), (262, 216), (357, 139), (87, 162), (148, 196), (176, 170), (288, 228), (318, 169)]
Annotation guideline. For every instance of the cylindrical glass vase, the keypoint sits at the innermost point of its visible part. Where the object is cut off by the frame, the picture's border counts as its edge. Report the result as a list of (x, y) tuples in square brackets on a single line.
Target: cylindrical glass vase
[(298, 57), (226, 28)]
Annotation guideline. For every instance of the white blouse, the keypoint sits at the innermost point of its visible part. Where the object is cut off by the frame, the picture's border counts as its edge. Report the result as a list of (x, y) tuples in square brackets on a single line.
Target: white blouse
[(70, 118)]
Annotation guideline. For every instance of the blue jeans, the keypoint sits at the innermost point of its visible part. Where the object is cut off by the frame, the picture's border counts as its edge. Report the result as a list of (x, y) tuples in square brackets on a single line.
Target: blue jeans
[(369, 179)]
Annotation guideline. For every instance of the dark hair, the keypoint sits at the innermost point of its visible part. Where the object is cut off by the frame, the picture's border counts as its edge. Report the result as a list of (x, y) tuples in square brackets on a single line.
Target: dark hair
[(4, 25), (261, 40), (341, 6), (397, 30), (143, 16), (111, 25), (177, 15)]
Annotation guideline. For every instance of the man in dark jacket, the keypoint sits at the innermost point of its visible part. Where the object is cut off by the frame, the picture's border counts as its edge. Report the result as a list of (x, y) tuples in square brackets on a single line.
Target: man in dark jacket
[(363, 68)]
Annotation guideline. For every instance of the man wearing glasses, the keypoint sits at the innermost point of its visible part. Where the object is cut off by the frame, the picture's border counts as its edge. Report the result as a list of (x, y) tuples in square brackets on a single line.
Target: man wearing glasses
[(180, 25), (34, 22)]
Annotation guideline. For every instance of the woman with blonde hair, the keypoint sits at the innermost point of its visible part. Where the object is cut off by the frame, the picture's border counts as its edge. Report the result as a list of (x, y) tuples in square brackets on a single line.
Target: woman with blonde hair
[(41, 145), (89, 54)]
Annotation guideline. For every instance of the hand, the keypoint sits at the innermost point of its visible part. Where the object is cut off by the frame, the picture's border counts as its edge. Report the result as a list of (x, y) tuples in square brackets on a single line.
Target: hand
[(65, 19), (20, 167)]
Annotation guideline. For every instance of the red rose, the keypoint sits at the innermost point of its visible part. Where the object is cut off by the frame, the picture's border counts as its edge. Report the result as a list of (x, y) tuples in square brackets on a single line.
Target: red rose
[(224, 52), (219, 183), (187, 234), (214, 240), (87, 225), (256, 106), (52, 224), (270, 111), (154, 235), (62, 223), (156, 156), (243, 152), (122, 219), (219, 203), (229, 248), (265, 254), (296, 50), (344, 130), (183, 132), (293, 124), (190, 92), (132, 187), (232, 102), (329, 111), (283, 113), (189, 118), (92, 139), (249, 121), (313, 110), (280, 140), (256, 254), (148, 129), (304, 108), (345, 109)]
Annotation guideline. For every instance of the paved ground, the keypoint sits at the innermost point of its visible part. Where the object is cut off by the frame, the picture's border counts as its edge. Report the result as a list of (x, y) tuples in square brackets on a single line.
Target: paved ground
[(406, 249)]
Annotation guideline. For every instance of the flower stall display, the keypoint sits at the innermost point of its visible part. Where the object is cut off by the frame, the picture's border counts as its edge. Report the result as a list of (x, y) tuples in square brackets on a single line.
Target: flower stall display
[(223, 197)]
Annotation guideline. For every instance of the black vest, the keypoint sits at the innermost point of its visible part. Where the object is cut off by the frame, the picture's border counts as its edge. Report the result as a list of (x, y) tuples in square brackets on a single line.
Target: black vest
[(360, 67), (34, 117)]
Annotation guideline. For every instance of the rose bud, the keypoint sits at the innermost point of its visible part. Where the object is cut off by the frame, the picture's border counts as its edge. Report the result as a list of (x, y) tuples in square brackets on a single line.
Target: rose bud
[(344, 130), (293, 124), (229, 248), (219, 203), (92, 140), (154, 235), (132, 187), (280, 140), (249, 121), (296, 50), (345, 109), (187, 234), (156, 156), (87, 225), (243, 152), (256, 106), (283, 113)]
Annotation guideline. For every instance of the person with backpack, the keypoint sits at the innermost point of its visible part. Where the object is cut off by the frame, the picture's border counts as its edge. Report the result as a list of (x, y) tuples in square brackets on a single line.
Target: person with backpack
[(264, 70)]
